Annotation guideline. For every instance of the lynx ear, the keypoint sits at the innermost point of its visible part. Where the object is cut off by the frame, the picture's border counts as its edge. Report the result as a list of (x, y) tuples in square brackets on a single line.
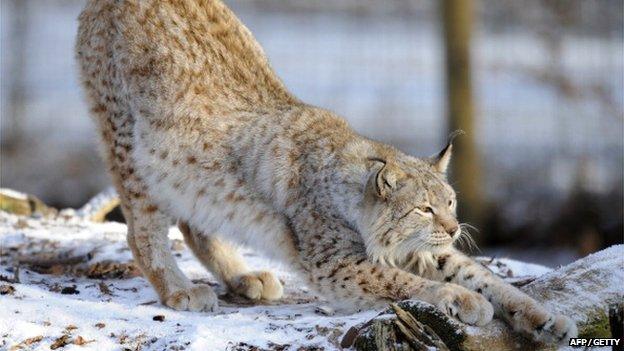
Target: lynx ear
[(441, 161), (385, 180)]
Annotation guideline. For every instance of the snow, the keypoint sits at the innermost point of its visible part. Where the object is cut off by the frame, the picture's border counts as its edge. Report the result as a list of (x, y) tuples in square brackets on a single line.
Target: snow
[(525, 269), (516, 268), (123, 317), (14, 194), (589, 283)]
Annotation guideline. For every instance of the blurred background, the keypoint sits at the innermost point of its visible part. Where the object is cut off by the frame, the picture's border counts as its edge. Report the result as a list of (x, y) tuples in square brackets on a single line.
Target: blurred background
[(538, 86)]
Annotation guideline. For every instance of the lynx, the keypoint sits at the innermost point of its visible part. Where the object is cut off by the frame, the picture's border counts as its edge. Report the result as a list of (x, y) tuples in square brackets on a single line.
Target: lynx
[(196, 127)]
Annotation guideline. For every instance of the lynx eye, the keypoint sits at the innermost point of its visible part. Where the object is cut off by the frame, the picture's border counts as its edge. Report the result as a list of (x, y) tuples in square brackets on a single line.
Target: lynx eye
[(425, 209), (450, 203)]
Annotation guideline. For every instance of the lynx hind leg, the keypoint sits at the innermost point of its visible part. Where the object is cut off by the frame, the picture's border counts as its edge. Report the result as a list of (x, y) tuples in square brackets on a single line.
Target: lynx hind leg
[(228, 266)]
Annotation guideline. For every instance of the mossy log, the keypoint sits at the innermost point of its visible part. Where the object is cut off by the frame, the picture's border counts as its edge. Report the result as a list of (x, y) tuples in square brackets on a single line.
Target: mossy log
[(23, 204), (584, 291), (100, 206)]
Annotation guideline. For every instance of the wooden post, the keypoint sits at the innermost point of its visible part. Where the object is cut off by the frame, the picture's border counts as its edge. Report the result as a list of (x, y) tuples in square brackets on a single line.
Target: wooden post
[(616, 323), (457, 18), (12, 127)]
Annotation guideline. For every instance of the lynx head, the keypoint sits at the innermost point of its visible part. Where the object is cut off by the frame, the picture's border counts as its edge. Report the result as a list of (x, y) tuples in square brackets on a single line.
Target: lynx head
[(408, 207)]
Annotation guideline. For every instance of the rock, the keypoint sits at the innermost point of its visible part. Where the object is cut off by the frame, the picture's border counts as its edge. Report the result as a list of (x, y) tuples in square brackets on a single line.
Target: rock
[(6, 289), (61, 341), (70, 290), (159, 318)]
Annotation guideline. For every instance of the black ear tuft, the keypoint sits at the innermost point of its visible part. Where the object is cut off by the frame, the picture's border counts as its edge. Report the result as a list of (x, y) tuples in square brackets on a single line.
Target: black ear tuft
[(441, 161)]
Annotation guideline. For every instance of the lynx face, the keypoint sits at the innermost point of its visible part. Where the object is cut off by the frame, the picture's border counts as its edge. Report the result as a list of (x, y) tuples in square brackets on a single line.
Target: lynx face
[(408, 207)]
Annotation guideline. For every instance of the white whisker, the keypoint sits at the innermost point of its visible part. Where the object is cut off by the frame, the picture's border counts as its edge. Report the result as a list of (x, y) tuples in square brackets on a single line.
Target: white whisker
[(466, 238)]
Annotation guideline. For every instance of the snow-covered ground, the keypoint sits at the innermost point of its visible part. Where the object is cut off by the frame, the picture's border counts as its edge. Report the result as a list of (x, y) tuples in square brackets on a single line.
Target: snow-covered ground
[(122, 314), (93, 300)]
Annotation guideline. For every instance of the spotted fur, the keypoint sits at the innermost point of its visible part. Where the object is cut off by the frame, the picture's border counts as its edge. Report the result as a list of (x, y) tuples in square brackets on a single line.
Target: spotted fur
[(196, 127)]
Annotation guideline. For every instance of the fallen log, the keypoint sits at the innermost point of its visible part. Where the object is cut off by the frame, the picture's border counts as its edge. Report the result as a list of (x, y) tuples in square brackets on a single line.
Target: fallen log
[(94, 210), (99, 206), (23, 204), (583, 290)]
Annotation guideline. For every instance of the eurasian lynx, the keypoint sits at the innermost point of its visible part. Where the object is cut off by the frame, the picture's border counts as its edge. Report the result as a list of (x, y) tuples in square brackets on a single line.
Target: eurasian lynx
[(196, 127)]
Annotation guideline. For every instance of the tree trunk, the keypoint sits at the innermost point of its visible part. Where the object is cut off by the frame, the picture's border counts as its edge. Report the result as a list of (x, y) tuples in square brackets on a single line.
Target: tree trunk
[(585, 291), (12, 126), (457, 18)]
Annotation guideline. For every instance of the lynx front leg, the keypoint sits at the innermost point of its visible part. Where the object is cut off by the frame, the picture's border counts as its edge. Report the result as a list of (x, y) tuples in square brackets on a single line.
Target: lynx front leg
[(522, 312), (229, 267), (366, 284), (147, 238)]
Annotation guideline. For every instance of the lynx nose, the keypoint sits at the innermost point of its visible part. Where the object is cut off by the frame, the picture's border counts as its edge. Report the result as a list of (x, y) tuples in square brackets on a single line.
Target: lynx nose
[(451, 230), (449, 224)]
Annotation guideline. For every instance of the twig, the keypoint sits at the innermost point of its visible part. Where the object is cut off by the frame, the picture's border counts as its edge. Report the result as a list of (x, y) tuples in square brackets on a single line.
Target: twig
[(410, 337), (104, 288), (53, 261), (522, 281)]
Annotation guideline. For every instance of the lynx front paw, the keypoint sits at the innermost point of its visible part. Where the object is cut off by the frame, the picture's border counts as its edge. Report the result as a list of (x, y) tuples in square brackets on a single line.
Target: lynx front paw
[(257, 285), (561, 330), (197, 298), (468, 306), (544, 326)]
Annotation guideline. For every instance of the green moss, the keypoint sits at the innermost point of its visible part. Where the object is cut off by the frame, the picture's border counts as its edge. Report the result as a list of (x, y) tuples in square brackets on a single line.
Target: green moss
[(15, 206), (24, 206), (597, 326)]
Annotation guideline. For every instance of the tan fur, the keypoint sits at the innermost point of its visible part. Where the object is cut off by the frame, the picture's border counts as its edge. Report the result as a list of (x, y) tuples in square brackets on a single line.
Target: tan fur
[(196, 127)]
